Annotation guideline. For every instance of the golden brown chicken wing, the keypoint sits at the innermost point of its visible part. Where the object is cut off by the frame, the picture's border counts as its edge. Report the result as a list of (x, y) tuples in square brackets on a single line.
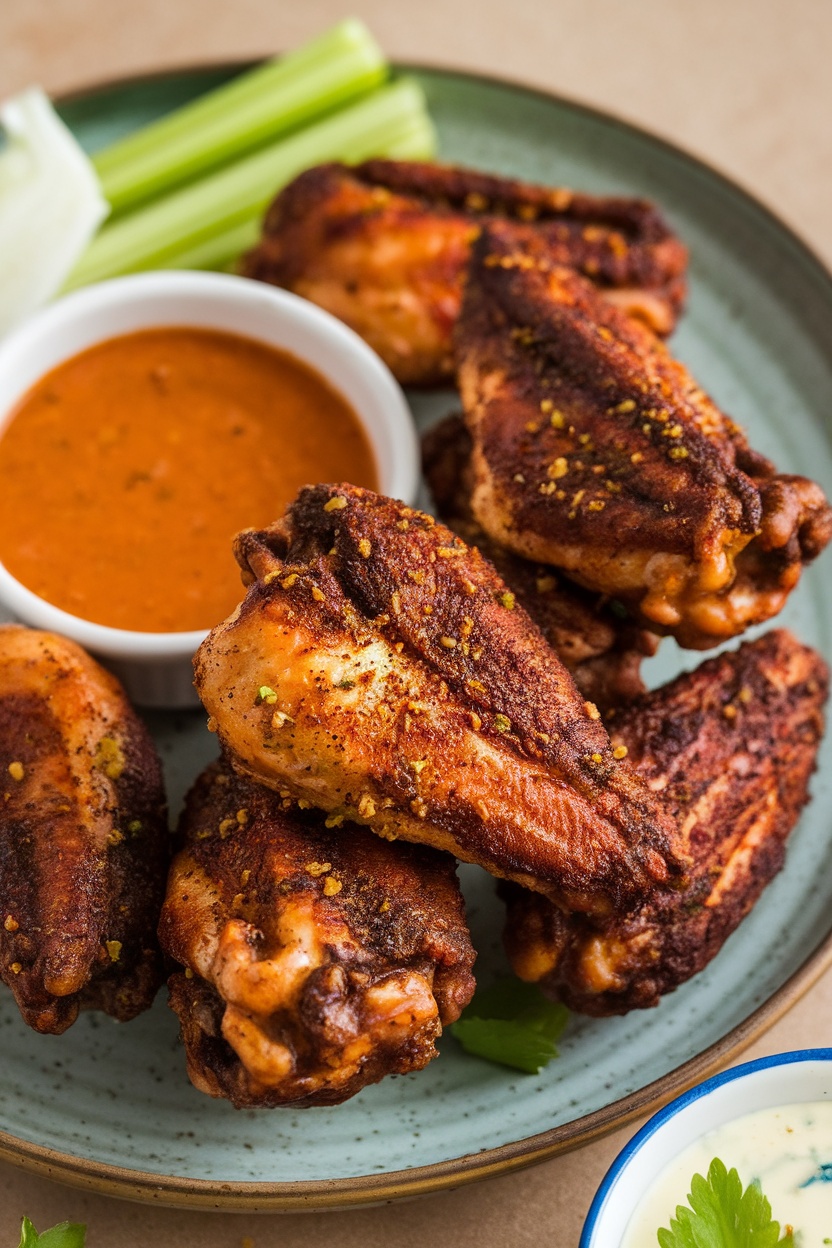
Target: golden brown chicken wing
[(318, 960), (731, 747), (381, 670), (83, 836), (600, 645), (384, 246), (596, 452)]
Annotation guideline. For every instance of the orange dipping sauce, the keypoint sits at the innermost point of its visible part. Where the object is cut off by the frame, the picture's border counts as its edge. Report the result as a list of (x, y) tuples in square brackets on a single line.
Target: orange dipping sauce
[(127, 470)]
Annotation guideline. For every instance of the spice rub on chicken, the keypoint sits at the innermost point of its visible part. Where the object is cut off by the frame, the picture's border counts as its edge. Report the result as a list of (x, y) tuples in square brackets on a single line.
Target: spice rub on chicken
[(595, 451), (381, 670), (731, 747), (384, 246), (318, 959), (83, 836), (601, 646)]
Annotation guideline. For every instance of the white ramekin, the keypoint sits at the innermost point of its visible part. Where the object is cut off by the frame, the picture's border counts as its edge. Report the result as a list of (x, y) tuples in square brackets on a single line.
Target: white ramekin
[(782, 1079), (156, 667)]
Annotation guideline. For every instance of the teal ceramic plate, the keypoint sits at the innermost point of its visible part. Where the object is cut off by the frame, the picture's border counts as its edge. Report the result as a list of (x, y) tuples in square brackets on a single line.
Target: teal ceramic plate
[(109, 1105)]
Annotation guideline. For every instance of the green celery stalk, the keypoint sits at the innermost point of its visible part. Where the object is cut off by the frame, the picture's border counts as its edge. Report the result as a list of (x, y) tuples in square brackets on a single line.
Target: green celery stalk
[(255, 108), (191, 216), (416, 142)]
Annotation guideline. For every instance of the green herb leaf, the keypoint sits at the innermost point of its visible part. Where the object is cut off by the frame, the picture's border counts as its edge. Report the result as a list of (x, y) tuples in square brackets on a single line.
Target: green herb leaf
[(64, 1235), (720, 1214), (512, 1023)]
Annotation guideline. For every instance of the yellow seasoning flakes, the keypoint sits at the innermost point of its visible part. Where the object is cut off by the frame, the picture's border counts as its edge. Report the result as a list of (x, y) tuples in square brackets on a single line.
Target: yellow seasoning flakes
[(115, 837), (592, 710), (16, 771), (266, 694), (448, 642), (332, 885), (502, 723), (508, 600), (597, 504), (109, 757), (338, 503), (745, 695), (10, 923), (366, 806), (365, 548), (636, 457), (289, 581), (558, 468), (678, 452), (597, 758), (333, 821), (384, 907), (546, 405), (557, 420), (729, 712), (113, 948), (318, 594), (620, 752), (627, 406), (16, 968), (318, 868), (476, 722)]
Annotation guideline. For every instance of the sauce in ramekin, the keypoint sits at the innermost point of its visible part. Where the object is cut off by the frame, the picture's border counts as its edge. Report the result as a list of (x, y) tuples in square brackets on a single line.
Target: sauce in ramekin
[(126, 471)]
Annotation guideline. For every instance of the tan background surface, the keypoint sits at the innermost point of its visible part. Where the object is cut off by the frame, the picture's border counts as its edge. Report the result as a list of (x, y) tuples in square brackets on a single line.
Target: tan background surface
[(744, 83)]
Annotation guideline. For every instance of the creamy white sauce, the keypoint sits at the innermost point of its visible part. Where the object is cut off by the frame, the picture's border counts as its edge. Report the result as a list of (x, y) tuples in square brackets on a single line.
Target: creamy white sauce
[(788, 1149)]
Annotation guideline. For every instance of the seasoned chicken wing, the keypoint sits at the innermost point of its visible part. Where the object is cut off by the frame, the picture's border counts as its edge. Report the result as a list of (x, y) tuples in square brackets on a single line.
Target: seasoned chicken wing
[(596, 452), (83, 836), (384, 246), (731, 746), (381, 670), (601, 647), (318, 959)]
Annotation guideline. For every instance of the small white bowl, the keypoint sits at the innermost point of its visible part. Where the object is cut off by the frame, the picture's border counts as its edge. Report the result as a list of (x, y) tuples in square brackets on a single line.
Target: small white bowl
[(156, 667), (782, 1079)]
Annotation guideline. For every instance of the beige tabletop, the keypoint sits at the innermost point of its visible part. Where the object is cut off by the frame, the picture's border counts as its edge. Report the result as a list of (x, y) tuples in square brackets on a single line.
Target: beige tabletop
[(745, 84)]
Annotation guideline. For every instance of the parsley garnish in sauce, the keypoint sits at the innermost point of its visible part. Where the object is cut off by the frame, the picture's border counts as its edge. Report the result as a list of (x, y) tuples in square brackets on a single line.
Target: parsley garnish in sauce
[(720, 1214)]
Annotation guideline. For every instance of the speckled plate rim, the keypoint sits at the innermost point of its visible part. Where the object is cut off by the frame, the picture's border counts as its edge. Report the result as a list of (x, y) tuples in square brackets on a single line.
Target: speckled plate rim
[(334, 1194)]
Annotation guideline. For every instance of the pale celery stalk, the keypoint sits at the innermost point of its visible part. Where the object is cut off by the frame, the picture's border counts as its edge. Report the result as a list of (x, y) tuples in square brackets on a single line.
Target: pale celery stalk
[(255, 108), (224, 200), (50, 205), (416, 142)]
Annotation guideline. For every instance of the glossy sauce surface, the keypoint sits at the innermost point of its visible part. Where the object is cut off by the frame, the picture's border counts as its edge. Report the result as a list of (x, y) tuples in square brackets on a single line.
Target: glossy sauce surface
[(127, 470), (787, 1149)]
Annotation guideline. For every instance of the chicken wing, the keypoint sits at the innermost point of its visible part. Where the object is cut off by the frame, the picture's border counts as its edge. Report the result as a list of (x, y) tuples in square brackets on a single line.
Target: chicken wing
[(602, 648), (380, 670), (731, 746), (83, 836), (384, 246), (318, 960), (596, 452)]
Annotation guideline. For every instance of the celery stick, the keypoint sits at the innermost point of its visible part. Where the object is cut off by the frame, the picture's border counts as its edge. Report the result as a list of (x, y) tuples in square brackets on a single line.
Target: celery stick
[(416, 142), (223, 200), (259, 106)]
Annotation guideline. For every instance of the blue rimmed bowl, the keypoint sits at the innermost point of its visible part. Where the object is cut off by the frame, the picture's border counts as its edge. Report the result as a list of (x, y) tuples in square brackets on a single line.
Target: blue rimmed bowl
[(768, 1082)]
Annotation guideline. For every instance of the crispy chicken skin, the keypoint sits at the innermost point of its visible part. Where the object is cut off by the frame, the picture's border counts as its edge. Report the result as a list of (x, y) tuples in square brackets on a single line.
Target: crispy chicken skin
[(603, 650), (318, 959), (83, 836), (596, 452), (731, 746), (407, 692), (384, 246)]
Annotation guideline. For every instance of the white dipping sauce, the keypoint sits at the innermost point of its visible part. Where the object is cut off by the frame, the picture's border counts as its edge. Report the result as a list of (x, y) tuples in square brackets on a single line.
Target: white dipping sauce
[(788, 1150)]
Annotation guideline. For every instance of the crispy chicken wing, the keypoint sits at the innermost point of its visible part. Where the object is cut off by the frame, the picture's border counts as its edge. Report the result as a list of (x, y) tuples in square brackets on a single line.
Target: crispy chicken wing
[(380, 669), (318, 959), (731, 746), (596, 452), (83, 836), (384, 246), (602, 649)]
